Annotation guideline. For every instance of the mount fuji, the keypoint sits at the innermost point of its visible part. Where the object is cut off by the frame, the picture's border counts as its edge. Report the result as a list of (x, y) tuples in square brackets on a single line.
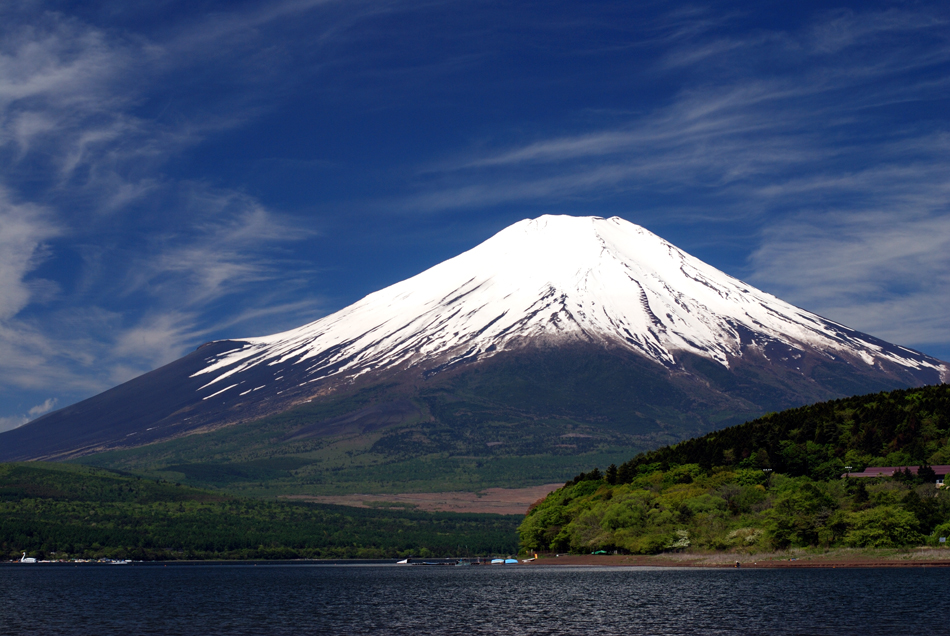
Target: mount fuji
[(575, 331)]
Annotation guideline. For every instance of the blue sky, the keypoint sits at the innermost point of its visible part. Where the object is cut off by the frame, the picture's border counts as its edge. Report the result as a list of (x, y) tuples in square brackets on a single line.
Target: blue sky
[(178, 172)]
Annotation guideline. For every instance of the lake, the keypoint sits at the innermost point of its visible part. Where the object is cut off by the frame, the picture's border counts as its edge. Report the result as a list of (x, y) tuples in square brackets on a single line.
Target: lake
[(373, 598)]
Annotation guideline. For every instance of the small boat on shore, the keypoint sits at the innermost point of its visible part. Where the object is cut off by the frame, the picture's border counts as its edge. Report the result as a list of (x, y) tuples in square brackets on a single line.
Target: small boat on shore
[(26, 559)]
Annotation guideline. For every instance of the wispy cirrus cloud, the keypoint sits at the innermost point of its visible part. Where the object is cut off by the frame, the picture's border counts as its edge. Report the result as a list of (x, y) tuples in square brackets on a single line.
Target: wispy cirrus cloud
[(880, 262), (109, 266), (228, 245), (24, 231), (739, 116), (787, 133), (165, 301)]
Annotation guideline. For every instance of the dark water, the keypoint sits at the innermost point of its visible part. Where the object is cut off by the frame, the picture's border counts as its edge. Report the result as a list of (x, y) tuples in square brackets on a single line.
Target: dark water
[(273, 600)]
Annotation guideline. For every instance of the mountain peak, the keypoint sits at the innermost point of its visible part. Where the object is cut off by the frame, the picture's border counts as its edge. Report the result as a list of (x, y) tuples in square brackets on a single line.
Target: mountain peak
[(595, 320), (556, 279)]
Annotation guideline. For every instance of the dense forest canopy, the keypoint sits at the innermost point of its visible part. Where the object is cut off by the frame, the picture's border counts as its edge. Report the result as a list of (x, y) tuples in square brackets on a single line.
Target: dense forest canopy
[(774, 482), (908, 427), (59, 511)]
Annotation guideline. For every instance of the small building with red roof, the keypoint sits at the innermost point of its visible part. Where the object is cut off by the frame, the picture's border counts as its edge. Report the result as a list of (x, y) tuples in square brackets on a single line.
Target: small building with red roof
[(888, 471)]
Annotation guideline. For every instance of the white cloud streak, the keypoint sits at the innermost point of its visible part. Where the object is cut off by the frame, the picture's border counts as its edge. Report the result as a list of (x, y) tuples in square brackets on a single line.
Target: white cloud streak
[(24, 229), (848, 208), (45, 407), (79, 157), (15, 421), (12, 422), (887, 272)]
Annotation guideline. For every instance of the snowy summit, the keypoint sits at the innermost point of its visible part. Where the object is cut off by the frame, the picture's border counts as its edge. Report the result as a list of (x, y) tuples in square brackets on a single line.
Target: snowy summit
[(554, 279)]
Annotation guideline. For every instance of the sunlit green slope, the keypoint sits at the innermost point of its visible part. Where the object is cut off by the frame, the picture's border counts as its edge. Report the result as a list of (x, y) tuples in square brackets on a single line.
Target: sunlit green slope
[(772, 483)]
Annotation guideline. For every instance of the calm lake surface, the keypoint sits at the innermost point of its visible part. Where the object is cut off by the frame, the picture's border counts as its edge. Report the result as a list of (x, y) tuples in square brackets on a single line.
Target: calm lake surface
[(271, 599)]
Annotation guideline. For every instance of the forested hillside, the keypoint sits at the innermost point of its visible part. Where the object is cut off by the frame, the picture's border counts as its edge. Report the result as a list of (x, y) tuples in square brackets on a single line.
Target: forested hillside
[(771, 483), (58, 511), (897, 428)]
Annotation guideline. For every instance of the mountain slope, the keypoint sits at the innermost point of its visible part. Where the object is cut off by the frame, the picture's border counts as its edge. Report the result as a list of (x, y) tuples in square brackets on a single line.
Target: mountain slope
[(560, 322), (604, 281)]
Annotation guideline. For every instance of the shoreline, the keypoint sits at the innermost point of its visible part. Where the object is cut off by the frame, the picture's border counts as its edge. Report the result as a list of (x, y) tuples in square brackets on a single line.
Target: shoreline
[(629, 561), (919, 558)]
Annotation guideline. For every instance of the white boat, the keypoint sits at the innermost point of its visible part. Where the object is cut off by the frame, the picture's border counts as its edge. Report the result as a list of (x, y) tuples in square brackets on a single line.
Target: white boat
[(26, 559), (403, 562)]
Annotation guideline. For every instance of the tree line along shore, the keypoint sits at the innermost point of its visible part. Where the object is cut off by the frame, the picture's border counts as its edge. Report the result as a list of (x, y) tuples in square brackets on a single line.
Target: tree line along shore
[(68, 512), (770, 484)]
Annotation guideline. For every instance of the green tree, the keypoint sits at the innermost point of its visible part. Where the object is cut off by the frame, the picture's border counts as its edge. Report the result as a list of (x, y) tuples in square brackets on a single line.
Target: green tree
[(926, 510), (927, 475), (799, 515), (883, 527), (859, 491)]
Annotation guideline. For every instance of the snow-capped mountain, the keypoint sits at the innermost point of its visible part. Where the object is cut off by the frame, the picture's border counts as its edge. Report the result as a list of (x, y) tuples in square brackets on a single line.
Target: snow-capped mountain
[(552, 279), (594, 321)]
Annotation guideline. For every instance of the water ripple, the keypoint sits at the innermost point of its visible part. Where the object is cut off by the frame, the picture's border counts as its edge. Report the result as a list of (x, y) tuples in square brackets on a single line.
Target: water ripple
[(274, 600)]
